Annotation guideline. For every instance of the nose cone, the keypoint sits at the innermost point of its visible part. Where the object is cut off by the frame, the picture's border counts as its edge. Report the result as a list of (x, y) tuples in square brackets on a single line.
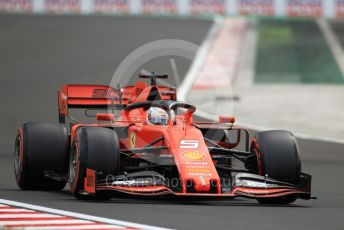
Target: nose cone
[(199, 171), (194, 163)]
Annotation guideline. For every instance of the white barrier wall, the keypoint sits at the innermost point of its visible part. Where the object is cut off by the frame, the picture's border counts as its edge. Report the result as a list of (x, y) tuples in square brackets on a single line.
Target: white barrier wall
[(292, 8)]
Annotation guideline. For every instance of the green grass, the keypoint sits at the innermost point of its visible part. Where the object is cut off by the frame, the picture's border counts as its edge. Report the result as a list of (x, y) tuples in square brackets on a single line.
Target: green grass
[(294, 51)]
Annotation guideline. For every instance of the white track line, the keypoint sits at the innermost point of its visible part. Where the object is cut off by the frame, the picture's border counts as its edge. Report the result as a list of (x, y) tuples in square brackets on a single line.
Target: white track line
[(201, 55), (296, 134), (259, 128), (83, 217), (222, 62), (333, 43)]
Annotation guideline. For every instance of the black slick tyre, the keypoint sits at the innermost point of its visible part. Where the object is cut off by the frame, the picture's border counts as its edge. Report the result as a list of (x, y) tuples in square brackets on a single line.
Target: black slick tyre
[(40, 147), (277, 157), (96, 148)]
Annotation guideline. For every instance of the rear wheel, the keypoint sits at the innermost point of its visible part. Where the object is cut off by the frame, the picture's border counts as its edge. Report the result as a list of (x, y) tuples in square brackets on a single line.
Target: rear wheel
[(40, 147), (95, 148), (278, 158)]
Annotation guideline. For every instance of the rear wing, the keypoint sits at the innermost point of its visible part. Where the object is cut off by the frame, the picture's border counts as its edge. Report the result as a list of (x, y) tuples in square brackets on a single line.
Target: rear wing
[(102, 96), (91, 96)]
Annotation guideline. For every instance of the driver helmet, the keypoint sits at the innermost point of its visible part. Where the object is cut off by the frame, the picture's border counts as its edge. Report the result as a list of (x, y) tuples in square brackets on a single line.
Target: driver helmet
[(157, 116)]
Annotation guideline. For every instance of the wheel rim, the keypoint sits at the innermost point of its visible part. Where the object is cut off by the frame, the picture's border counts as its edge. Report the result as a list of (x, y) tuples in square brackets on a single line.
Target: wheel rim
[(72, 164), (17, 158)]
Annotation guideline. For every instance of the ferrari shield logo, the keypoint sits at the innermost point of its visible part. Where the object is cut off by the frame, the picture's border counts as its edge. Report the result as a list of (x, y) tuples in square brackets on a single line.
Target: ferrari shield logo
[(132, 140)]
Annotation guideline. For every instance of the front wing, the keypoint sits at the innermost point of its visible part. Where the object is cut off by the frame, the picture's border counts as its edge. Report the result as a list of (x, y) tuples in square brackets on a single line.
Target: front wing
[(243, 185)]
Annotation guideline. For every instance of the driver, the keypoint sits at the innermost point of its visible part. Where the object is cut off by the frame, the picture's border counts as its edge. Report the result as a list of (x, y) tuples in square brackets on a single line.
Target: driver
[(157, 116)]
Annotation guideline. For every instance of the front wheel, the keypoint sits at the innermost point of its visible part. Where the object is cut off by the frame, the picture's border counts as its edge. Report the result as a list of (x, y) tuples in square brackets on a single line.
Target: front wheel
[(95, 148), (277, 156)]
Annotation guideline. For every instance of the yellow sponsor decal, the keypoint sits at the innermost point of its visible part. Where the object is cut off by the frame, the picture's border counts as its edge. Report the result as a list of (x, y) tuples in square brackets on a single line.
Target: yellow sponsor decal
[(198, 170), (193, 155), (132, 140)]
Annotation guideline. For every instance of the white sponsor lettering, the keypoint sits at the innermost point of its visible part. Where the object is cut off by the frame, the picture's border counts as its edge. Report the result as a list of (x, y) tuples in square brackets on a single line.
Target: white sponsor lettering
[(189, 144)]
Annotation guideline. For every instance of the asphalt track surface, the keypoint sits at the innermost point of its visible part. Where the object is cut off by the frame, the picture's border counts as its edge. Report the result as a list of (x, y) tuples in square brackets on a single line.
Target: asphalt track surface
[(39, 53)]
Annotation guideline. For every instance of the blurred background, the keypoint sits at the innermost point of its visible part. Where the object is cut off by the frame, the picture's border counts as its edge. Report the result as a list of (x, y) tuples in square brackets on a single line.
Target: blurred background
[(282, 61)]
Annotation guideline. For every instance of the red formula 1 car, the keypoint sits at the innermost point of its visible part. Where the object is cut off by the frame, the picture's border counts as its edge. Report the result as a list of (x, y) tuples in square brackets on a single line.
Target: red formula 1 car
[(148, 144)]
